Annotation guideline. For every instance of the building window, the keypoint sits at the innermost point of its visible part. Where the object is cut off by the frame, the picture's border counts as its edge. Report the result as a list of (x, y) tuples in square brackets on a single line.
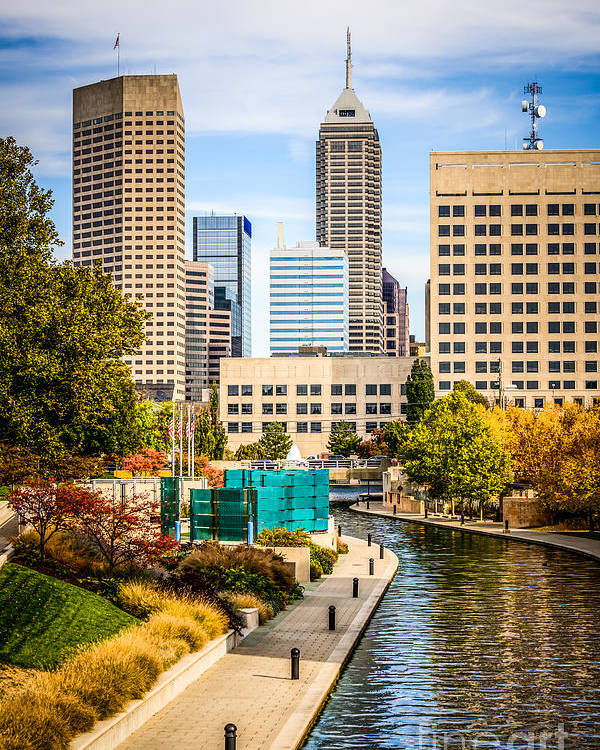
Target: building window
[(443, 210), (301, 426), (267, 390), (315, 408), (233, 390), (233, 408), (350, 389), (315, 427), (371, 388), (444, 385), (443, 250), (315, 390), (246, 390), (350, 408), (302, 390), (246, 408), (336, 389), (371, 408), (385, 389), (267, 408), (335, 408), (281, 408), (281, 390), (385, 408), (247, 427), (233, 427)]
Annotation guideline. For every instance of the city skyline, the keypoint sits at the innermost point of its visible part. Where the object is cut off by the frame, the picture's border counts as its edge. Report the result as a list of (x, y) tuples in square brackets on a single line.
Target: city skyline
[(420, 100)]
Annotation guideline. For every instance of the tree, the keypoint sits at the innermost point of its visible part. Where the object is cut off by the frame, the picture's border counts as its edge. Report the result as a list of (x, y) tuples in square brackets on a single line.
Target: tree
[(124, 531), (17, 464), (274, 442), (218, 431), (46, 507), (343, 439), (214, 476), (420, 392), (250, 452), (147, 461), (63, 331), (453, 452), (468, 390), (394, 436)]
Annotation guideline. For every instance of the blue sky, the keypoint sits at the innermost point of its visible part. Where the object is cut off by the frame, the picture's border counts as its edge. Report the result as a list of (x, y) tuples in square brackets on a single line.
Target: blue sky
[(257, 77)]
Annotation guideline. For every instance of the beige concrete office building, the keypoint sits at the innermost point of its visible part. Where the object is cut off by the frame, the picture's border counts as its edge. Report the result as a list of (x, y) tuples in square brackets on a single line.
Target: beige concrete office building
[(515, 273), (307, 394), (348, 210), (129, 212)]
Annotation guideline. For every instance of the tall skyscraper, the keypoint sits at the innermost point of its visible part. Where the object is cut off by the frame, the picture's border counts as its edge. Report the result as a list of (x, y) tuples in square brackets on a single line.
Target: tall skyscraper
[(224, 241), (128, 210), (348, 192), (396, 316), (309, 297), (515, 276)]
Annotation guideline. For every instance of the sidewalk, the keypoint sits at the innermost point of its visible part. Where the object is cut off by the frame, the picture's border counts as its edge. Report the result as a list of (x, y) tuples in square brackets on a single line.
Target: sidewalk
[(251, 686), (582, 545), (8, 525)]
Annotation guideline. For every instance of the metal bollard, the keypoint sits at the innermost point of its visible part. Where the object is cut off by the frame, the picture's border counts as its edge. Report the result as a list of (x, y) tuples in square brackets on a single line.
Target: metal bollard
[(462, 519), (369, 539), (506, 526), (295, 657), (425, 511), (394, 510), (340, 529), (355, 588), (230, 736), (368, 504), (371, 566), (381, 551), (331, 617)]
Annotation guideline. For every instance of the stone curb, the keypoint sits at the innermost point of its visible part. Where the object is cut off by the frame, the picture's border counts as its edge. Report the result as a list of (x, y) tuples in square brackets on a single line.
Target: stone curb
[(110, 733), (513, 535), (298, 725)]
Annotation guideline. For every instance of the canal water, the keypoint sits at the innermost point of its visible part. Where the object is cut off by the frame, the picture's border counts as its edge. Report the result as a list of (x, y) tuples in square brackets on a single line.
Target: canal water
[(478, 643)]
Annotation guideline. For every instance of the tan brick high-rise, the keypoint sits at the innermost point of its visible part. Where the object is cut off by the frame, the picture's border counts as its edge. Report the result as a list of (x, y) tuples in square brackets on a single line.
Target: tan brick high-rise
[(515, 277), (129, 212), (348, 171)]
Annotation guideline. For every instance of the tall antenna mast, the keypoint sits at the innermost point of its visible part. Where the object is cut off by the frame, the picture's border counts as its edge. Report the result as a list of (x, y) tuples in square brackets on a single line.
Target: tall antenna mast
[(348, 60), (536, 111)]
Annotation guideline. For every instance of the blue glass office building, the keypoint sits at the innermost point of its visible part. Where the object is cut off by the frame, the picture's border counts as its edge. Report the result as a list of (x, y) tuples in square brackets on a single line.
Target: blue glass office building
[(224, 241)]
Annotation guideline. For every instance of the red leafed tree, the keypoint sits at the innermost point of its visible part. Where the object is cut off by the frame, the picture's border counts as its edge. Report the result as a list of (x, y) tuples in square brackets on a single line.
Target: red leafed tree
[(215, 477), (46, 506), (124, 531), (146, 461)]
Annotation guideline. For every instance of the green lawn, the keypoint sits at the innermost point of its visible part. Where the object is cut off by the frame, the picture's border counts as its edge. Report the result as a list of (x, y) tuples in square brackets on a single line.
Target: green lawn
[(43, 619)]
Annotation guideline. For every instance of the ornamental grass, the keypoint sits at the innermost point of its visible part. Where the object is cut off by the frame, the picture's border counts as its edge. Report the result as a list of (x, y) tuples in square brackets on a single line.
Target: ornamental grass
[(239, 601), (51, 708)]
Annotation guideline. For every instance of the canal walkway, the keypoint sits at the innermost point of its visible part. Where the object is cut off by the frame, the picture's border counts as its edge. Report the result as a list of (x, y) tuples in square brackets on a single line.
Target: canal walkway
[(251, 686), (571, 542)]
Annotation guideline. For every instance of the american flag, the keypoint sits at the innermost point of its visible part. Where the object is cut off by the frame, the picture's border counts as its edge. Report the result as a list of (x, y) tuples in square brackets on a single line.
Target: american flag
[(117, 42), (193, 425), (187, 426), (179, 426), (171, 428)]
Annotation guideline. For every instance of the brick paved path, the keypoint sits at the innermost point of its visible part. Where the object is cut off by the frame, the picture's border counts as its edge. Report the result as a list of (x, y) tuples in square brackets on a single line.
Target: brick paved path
[(251, 686)]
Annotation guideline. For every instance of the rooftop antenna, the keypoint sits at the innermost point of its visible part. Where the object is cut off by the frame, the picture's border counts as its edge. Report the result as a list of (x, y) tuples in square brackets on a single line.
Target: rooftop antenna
[(536, 111), (348, 60)]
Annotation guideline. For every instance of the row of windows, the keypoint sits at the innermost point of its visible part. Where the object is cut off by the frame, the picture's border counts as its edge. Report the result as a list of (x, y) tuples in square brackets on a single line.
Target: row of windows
[(516, 308), (554, 287), (519, 209), (517, 366), (531, 326), (337, 389), (516, 230), (236, 427), (516, 269), (530, 385), (317, 408), (516, 248), (495, 347)]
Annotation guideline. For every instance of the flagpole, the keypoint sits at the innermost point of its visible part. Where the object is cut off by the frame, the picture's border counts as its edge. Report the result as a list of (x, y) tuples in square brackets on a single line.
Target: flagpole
[(118, 55), (188, 436), (181, 440), (193, 444), (173, 442)]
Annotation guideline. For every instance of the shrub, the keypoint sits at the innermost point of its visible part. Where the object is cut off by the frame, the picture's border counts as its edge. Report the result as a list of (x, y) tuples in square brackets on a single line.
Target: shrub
[(325, 557), (260, 561), (282, 537), (241, 601), (316, 571), (342, 548)]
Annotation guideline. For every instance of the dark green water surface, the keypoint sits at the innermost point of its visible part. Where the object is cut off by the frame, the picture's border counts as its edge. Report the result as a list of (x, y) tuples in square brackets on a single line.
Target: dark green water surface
[(479, 643)]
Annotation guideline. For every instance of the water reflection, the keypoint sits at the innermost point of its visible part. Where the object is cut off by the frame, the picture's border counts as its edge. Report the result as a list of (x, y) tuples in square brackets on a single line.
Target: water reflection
[(479, 643)]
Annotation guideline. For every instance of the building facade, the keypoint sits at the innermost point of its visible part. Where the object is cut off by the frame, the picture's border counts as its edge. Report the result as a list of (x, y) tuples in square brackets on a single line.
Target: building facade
[(129, 212), (307, 394), (514, 291), (396, 314), (348, 208), (308, 298), (225, 242)]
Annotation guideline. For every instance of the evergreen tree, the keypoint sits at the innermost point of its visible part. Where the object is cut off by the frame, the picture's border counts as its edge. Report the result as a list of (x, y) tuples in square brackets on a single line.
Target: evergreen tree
[(274, 443), (63, 331), (420, 392), (343, 439)]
